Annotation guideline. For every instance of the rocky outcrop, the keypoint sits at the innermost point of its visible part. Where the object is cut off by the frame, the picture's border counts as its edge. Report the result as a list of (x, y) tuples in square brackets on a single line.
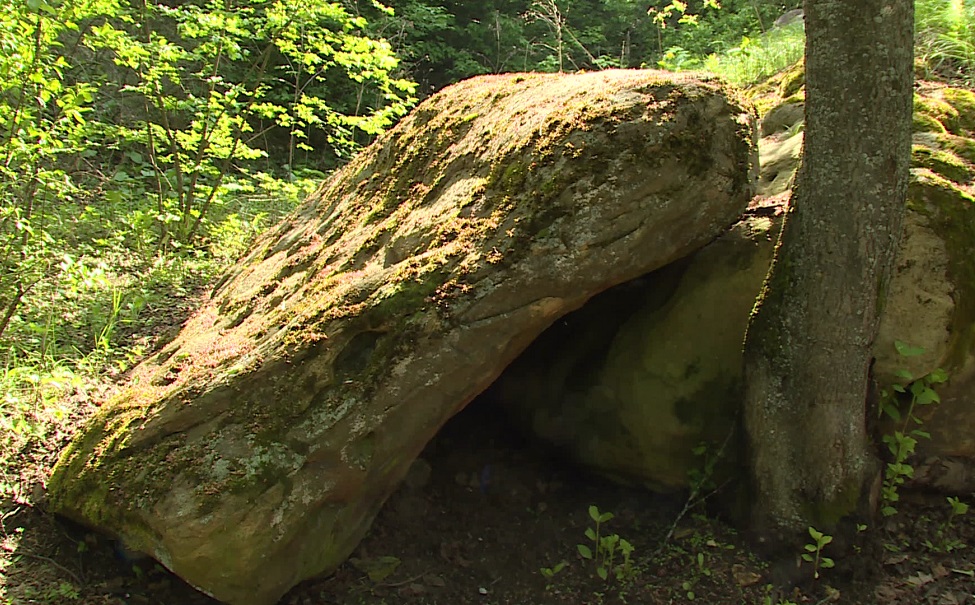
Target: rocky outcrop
[(632, 393), (254, 450)]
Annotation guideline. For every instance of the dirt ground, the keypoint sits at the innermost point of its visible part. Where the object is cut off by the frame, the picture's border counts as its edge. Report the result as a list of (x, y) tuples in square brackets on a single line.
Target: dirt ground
[(483, 514)]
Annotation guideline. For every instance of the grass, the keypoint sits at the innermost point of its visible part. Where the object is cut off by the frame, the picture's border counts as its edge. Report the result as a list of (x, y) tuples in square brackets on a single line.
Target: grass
[(945, 37), (756, 59), (944, 47), (94, 317)]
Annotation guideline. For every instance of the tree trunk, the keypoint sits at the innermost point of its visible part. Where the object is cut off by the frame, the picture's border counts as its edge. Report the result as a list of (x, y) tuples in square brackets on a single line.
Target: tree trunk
[(808, 348)]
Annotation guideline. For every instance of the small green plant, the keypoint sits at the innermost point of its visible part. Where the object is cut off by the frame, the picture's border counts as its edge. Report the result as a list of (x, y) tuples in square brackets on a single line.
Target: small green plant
[(814, 551), (769, 599), (946, 543), (676, 58), (700, 479), (606, 549), (701, 571), (549, 573), (903, 442)]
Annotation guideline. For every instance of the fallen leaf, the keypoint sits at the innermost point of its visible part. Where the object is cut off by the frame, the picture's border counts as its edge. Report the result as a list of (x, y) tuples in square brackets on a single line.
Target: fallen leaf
[(887, 593), (920, 579), (743, 576), (948, 598), (434, 580), (895, 558), (378, 568)]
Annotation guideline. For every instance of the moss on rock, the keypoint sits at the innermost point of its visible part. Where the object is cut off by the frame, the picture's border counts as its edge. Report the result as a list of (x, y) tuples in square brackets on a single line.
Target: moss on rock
[(942, 162), (255, 451), (935, 109), (963, 102), (923, 122)]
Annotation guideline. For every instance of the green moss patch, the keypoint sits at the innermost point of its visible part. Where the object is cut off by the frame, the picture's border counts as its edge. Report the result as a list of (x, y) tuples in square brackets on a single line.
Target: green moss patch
[(963, 102), (793, 80), (922, 122), (963, 147), (936, 109), (944, 163)]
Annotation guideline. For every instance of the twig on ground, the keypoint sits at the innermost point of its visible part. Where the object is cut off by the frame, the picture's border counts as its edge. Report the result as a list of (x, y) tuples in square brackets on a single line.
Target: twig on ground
[(51, 562)]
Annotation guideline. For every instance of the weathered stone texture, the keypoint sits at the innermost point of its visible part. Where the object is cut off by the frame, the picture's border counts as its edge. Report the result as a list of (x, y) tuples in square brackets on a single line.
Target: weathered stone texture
[(255, 449)]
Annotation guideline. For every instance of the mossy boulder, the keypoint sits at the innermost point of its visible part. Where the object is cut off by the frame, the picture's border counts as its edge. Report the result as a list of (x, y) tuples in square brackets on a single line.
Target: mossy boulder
[(254, 450)]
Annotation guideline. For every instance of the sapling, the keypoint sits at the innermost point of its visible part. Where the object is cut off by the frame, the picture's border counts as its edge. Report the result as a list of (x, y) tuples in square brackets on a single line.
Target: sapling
[(902, 443), (606, 548), (814, 551)]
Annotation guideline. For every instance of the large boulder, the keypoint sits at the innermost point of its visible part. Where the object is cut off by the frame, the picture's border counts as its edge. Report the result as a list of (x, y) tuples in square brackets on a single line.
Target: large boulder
[(254, 450), (632, 384)]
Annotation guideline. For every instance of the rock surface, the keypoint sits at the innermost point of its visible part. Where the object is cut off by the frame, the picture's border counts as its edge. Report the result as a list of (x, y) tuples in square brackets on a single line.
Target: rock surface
[(254, 450), (631, 394), (631, 384)]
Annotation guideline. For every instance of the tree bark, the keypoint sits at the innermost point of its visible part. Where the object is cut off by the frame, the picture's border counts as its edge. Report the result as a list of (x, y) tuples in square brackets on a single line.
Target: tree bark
[(808, 347)]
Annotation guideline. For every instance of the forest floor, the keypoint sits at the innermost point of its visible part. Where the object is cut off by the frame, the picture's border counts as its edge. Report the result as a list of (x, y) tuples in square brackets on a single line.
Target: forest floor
[(482, 515)]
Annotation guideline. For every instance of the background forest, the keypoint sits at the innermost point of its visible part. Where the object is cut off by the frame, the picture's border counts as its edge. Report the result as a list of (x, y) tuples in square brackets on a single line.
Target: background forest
[(144, 143)]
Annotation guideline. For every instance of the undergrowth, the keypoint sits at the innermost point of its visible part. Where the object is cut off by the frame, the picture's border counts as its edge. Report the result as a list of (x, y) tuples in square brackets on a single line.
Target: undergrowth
[(944, 47)]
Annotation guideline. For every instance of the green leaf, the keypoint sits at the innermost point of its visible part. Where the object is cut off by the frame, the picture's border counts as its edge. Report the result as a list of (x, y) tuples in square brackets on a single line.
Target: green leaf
[(826, 562), (937, 376), (602, 573), (925, 395), (584, 550), (594, 513), (892, 411), (906, 350)]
